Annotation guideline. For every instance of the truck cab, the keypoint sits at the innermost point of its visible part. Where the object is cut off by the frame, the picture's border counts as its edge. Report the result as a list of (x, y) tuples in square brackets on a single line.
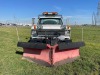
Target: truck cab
[(50, 26)]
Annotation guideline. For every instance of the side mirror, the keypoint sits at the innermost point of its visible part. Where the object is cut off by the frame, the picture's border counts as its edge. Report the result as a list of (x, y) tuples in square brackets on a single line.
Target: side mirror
[(33, 21)]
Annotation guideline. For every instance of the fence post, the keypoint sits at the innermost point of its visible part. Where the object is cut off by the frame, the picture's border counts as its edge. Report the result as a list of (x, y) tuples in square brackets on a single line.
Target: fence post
[(82, 33)]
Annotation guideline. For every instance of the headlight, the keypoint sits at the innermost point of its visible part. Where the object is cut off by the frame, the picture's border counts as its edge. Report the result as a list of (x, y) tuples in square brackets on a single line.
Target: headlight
[(62, 27), (67, 32), (33, 32), (40, 27)]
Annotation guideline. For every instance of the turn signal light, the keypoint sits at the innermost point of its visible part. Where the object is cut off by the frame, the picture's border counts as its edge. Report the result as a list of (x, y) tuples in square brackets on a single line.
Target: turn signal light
[(68, 27), (35, 27)]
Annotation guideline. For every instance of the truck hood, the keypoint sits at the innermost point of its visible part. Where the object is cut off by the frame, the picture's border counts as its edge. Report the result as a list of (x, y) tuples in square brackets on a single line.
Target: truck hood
[(51, 26)]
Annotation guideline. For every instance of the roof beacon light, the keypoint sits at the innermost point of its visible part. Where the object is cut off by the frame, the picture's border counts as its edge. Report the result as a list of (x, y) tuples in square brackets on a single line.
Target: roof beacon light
[(50, 13), (54, 13), (45, 13)]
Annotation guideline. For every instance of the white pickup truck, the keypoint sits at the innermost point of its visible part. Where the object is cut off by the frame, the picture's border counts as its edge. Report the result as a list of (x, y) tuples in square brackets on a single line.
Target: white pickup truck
[(50, 26)]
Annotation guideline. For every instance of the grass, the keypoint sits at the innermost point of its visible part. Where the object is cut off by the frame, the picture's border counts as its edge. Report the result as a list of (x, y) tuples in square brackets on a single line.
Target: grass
[(12, 64)]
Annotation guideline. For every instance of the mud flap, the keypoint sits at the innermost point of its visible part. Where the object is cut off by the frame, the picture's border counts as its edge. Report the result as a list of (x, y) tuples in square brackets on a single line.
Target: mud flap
[(73, 45), (32, 45)]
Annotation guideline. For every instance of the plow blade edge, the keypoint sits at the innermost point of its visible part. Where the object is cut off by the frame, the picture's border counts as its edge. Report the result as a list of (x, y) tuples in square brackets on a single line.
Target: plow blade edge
[(73, 45), (32, 45)]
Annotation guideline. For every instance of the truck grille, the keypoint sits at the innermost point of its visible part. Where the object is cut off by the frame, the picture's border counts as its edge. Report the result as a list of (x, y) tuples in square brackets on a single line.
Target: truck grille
[(51, 32)]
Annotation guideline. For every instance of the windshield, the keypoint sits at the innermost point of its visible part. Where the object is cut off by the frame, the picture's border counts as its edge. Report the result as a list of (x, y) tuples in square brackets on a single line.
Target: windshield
[(54, 21)]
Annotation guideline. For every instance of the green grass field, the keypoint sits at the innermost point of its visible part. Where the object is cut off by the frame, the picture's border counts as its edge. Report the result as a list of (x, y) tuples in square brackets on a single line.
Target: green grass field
[(12, 63)]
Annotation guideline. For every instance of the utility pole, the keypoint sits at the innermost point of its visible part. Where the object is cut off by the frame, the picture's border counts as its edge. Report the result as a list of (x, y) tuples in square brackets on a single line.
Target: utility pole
[(97, 18), (94, 20)]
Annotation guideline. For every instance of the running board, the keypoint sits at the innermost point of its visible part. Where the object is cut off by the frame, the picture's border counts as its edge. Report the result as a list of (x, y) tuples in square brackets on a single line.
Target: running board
[(73, 45), (32, 45)]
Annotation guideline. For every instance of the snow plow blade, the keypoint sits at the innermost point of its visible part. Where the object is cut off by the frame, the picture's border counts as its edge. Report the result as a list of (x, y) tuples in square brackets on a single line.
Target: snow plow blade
[(47, 55), (73, 45), (32, 45)]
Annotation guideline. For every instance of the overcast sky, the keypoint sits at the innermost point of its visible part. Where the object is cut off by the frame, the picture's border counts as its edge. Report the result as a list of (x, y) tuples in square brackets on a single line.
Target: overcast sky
[(77, 10)]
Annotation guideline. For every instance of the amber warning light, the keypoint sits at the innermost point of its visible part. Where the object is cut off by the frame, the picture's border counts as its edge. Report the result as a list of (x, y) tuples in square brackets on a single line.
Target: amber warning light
[(50, 13), (34, 27)]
